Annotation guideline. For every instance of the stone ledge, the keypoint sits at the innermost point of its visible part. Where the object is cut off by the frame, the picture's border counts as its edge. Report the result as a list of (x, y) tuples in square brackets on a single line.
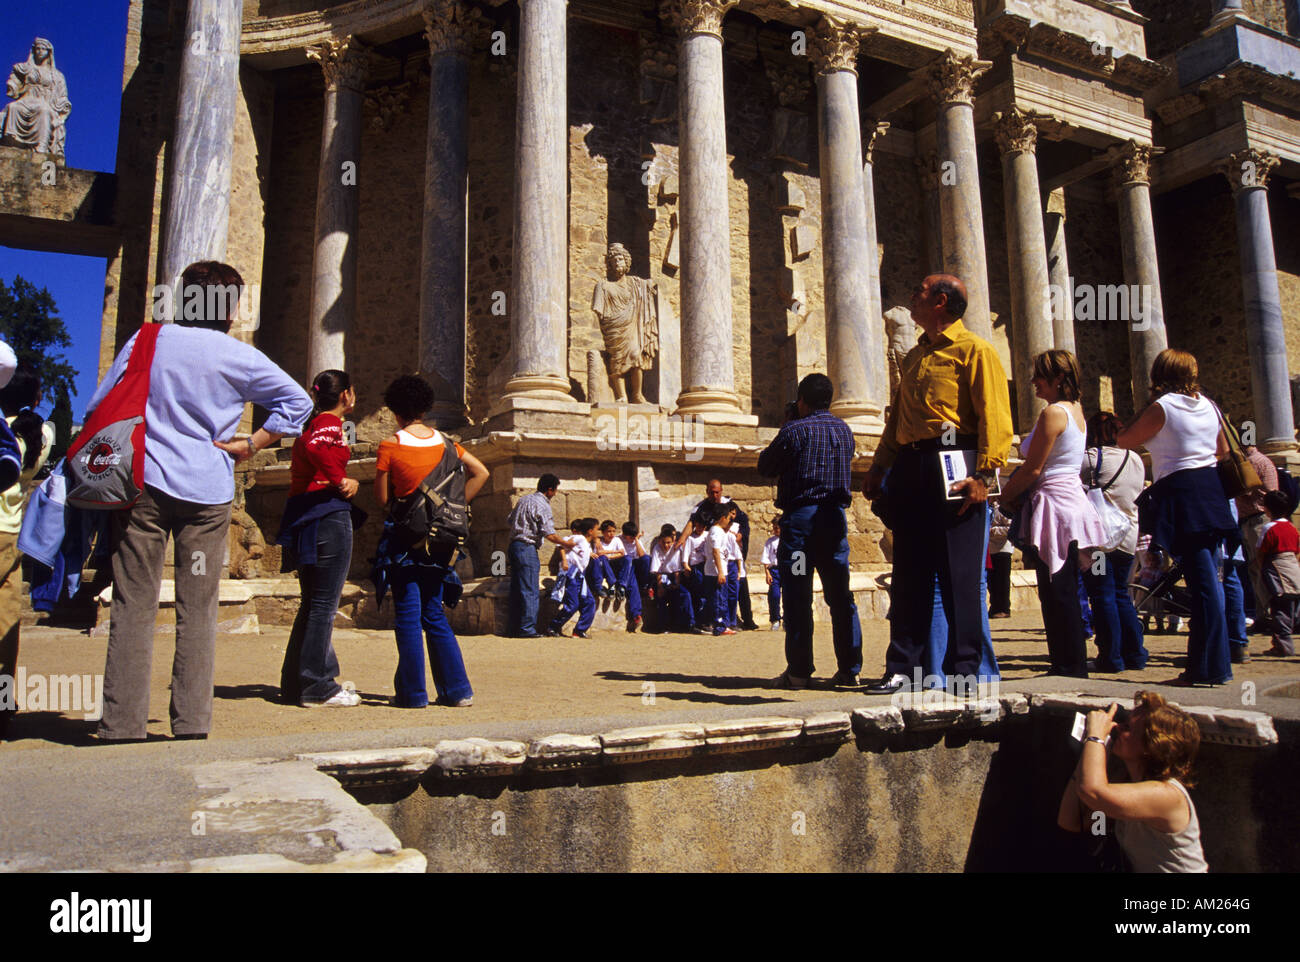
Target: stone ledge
[(466, 757), (382, 766), (748, 733), (564, 751), (877, 721), (652, 742), (1219, 726)]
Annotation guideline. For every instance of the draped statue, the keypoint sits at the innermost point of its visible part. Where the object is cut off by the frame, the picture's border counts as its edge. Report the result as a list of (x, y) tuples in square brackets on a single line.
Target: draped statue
[(629, 322), (39, 109)]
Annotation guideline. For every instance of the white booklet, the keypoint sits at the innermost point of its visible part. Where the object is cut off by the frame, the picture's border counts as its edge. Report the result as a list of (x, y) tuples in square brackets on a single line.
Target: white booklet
[(956, 466)]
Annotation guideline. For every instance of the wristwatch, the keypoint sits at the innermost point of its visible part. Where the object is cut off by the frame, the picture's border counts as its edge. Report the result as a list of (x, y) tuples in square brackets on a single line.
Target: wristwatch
[(252, 450), (988, 476)]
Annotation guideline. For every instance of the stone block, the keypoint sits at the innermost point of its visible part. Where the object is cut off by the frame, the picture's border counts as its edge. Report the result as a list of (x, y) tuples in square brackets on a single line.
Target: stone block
[(473, 757), (668, 190), (827, 727), (1234, 726), (562, 751), (802, 240), (884, 720), (651, 742), (381, 766), (790, 197), (743, 734), (1015, 704)]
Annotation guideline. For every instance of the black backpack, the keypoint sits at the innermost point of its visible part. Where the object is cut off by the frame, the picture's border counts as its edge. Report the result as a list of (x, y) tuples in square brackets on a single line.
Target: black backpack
[(435, 516)]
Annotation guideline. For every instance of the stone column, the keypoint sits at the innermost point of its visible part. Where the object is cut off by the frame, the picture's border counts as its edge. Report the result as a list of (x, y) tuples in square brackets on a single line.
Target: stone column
[(451, 28), (853, 337), (1137, 236), (927, 171), (1058, 271), (951, 79), (334, 263), (1031, 318), (202, 145), (708, 369), (539, 309), (879, 369), (1248, 172)]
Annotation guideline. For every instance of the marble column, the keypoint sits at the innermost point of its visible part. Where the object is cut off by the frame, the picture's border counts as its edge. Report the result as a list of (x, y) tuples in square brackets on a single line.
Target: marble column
[(202, 144), (1058, 271), (1248, 173), (451, 27), (853, 337), (951, 80), (708, 368), (334, 262), (539, 308), (1137, 236), (1031, 317), (878, 364)]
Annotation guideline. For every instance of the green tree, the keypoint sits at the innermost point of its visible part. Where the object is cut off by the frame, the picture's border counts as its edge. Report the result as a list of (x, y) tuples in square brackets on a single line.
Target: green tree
[(30, 324)]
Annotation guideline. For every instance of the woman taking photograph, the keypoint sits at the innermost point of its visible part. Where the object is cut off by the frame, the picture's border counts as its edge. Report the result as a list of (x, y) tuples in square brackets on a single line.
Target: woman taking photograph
[(1120, 475), (317, 536), (1056, 518), (1185, 510), (1156, 823), (415, 576)]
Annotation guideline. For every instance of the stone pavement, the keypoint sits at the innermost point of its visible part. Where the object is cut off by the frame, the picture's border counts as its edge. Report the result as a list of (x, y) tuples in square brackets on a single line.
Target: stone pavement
[(241, 801)]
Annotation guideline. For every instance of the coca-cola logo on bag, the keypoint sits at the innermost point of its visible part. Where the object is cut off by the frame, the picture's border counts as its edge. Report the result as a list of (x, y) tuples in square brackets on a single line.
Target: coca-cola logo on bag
[(102, 456)]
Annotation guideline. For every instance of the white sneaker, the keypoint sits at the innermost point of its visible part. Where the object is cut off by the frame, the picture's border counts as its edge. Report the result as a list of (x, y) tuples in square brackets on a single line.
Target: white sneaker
[(343, 698), (776, 626)]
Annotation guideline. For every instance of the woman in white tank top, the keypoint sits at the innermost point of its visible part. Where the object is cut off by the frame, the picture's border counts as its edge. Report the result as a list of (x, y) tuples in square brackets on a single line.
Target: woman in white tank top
[(1056, 518), (1155, 821), (1185, 510)]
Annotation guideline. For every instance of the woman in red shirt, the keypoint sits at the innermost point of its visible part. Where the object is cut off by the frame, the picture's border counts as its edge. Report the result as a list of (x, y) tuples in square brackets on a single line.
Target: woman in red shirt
[(317, 537), (416, 577)]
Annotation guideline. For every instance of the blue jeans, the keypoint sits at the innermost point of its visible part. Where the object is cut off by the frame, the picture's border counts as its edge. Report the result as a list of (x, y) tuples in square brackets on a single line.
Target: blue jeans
[(1234, 601), (417, 609), (1119, 630), (819, 534), (575, 599), (525, 568), (600, 572), (1208, 658), (310, 665), (774, 595), (683, 595), (631, 573)]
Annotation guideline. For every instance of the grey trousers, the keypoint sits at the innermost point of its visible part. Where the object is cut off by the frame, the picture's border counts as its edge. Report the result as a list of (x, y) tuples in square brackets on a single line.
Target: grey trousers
[(200, 532)]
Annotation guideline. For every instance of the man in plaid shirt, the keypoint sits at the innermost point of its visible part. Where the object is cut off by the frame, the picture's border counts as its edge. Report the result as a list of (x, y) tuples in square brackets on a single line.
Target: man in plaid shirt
[(812, 457)]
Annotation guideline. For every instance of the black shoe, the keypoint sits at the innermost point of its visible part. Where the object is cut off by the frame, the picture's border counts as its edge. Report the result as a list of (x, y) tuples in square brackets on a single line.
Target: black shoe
[(1240, 656), (554, 633), (889, 684), (535, 634), (749, 626), (190, 737), (844, 679), (580, 634)]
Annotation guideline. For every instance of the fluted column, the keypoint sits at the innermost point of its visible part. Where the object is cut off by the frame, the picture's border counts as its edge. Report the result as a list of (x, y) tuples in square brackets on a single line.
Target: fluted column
[(708, 369), (451, 27), (539, 309), (952, 79), (1031, 318), (1137, 236), (334, 261), (1058, 271), (1248, 172), (202, 145), (851, 336)]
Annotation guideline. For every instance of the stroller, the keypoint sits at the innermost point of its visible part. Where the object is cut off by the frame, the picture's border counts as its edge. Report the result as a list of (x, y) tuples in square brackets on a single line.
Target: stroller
[(1158, 592)]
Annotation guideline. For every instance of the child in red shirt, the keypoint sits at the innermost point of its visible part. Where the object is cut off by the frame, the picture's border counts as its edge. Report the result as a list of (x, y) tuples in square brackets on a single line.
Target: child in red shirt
[(1280, 570)]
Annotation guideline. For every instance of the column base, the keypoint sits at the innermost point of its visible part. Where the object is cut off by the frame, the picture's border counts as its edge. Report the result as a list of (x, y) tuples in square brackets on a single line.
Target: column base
[(700, 400), (858, 412), (447, 417), (545, 387), (1277, 445)]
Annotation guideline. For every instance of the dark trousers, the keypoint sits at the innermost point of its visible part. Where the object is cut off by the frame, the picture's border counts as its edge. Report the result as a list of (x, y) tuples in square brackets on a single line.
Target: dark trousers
[(575, 599), (931, 540), (1000, 583), (419, 621), (1208, 657), (1119, 630), (1284, 609), (525, 567), (774, 595), (1058, 596), (816, 536), (310, 665), (199, 533), (742, 597), (683, 602)]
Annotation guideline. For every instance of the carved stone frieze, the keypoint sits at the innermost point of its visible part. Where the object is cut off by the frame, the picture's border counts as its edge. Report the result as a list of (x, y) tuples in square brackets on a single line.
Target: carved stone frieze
[(1249, 168), (834, 45), (343, 60), (951, 78), (790, 81), (697, 16), (452, 26), (385, 104)]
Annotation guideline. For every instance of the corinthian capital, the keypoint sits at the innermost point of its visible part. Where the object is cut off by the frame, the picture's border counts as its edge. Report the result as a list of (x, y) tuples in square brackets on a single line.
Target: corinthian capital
[(952, 78), (1015, 131), (1133, 163), (834, 45), (343, 60), (1249, 168), (451, 26), (697, 16), (871, 135)]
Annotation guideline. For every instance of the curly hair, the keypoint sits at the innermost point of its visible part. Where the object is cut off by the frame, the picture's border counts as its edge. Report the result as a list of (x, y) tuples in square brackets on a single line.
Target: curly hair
[(1170, 740), (409, 397)]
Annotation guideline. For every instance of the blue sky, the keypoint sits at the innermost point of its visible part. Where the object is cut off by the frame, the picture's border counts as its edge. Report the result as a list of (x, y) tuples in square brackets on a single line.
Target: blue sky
[(89, 38)]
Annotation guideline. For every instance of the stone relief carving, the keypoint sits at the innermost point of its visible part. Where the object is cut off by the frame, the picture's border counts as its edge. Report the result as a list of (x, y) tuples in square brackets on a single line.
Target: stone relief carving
[(900, 333), (386, 103), (627, 308), (37, 115)]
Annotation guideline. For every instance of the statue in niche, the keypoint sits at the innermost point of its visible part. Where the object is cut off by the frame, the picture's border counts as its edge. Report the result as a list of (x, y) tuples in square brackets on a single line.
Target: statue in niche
[(629, 322), (35, 119), (900, 333)]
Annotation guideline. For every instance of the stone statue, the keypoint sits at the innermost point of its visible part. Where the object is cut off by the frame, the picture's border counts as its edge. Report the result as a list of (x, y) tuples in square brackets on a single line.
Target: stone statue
[(629, 322), (36, 117), (900, 330)]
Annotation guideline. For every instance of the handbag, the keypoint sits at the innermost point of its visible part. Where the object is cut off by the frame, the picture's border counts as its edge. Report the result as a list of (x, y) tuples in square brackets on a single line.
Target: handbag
[(1114, 522), (1236, 473), (105, 462)]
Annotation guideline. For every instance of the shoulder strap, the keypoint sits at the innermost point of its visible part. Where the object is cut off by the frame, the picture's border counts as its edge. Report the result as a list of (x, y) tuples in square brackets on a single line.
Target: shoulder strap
[(1229, 431), (448, 455), (1118, 471)]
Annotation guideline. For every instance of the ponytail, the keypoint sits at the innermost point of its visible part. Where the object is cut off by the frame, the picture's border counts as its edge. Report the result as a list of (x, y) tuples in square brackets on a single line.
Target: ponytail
[(326, 389)]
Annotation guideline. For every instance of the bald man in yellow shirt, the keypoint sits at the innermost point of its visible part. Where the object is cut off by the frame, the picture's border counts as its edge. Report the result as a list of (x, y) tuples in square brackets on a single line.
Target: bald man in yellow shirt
[(952, 395)]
